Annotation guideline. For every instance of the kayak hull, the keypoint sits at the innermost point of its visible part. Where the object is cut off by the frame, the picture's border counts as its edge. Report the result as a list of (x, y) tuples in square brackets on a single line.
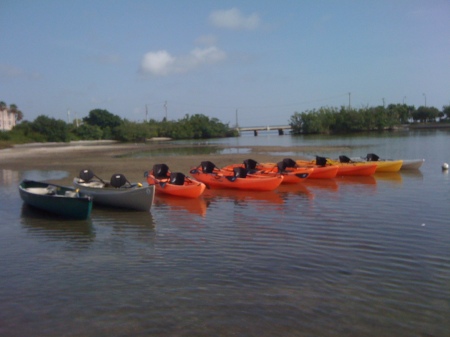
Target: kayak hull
[(224, 179), (189, 189), (290, 175), (320, 172)]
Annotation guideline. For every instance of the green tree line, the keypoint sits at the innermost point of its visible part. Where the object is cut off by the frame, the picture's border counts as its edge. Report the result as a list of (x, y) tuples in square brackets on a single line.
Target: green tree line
[(101, 124), (346, 120)]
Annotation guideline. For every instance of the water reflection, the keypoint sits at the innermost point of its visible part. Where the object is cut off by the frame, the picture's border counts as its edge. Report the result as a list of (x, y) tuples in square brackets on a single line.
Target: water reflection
[(391, 177), (271, 197), (40, 175), (298, 190), (40, 223), (9, 177), (139, 226), (323, 184), (356, 180), (196, 206)]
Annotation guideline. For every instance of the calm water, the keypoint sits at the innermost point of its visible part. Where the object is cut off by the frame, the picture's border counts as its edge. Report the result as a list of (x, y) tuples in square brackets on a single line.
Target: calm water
[(345, 257)]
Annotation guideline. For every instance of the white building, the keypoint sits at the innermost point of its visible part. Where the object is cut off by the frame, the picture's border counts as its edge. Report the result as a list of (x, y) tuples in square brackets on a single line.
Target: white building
[(7, 120)]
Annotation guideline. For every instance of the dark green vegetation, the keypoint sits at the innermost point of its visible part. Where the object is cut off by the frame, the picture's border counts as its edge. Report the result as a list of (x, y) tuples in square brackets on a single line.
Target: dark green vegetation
[(101, 124), (345, 120)]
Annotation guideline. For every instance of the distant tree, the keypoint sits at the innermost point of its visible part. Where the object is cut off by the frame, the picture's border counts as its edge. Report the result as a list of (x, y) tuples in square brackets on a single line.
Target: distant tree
[(446, 110), (88, 132), (134, 132), (103, 119), (425, 114), (52, 129), (12, 109), (18, 114)]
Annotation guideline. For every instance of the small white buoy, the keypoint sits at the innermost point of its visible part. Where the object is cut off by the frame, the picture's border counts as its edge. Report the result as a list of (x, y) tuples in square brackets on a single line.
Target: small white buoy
[(444, 167)]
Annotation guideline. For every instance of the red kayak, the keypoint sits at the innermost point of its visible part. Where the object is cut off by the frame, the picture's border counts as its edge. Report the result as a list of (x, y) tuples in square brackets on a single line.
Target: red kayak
[(291, 175), (239, 178), (173, 183)]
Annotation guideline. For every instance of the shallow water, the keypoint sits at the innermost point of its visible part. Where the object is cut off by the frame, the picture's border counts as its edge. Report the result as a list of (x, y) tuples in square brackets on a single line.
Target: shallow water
[(344, 257)]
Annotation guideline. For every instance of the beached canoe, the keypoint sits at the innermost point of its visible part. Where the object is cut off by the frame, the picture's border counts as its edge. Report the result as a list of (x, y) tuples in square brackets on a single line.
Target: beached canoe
[(291, 175), (56, 199), (173, 183), (239, 178), (117, 193)]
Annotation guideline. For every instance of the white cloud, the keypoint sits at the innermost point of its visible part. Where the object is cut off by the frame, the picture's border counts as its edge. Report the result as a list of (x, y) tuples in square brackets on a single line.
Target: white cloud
[(161, 63), (234, 19), (157, 63)]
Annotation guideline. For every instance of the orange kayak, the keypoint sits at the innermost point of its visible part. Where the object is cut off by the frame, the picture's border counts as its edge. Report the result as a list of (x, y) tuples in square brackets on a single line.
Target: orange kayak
[(322, 169), (291, 175), (239, 178), (352, 169), (173, 183), (319, 171)]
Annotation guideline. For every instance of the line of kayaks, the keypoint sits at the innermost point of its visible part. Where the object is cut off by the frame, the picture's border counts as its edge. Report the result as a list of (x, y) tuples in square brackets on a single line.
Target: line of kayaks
[(249, 175)]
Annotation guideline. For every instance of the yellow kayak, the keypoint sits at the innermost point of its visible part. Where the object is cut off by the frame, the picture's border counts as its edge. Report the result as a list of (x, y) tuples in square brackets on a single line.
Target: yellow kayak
[(383, 165)]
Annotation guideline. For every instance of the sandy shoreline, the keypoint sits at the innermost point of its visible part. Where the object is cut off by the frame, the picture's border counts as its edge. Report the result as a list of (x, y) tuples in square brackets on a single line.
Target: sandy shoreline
[(106, 159)]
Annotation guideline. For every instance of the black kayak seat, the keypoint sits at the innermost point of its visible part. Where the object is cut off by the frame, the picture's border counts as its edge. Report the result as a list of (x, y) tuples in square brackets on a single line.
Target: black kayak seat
[(177, 178), (118, 180), (160, 170), (344, 159), (86, 175), (250, 164), (207, 166), (322, 161), (281, 165), (372, 157), (240, 172), (289, 162)]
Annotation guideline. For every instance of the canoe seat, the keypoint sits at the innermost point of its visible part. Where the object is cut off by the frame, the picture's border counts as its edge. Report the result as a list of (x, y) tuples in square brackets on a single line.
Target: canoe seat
[(93, 184), (86, 175), (40, 190), (119, 180)]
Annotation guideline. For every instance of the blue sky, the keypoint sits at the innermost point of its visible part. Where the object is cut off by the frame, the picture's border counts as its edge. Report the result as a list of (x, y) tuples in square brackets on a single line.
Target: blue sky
[(263, 59)]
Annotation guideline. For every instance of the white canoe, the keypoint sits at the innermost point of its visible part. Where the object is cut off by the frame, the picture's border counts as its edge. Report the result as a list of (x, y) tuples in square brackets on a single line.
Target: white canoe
[(412, 164), (135, 196)]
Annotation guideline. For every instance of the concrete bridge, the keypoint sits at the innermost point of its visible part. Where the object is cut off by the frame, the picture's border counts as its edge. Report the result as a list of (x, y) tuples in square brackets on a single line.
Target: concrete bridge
[(255, 129)]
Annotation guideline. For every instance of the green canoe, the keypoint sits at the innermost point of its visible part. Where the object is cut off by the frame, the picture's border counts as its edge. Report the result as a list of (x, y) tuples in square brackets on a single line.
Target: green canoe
[(64, 201)]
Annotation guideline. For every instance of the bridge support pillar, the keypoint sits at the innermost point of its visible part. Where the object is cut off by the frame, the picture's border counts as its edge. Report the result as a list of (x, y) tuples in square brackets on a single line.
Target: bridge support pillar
[(255, 132), (280, 132)]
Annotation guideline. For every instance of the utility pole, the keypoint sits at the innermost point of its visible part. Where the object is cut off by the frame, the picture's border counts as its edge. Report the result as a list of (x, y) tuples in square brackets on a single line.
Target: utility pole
[(68, 116), (146, 113), (165, 109), (237, 124), (349, 104)]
